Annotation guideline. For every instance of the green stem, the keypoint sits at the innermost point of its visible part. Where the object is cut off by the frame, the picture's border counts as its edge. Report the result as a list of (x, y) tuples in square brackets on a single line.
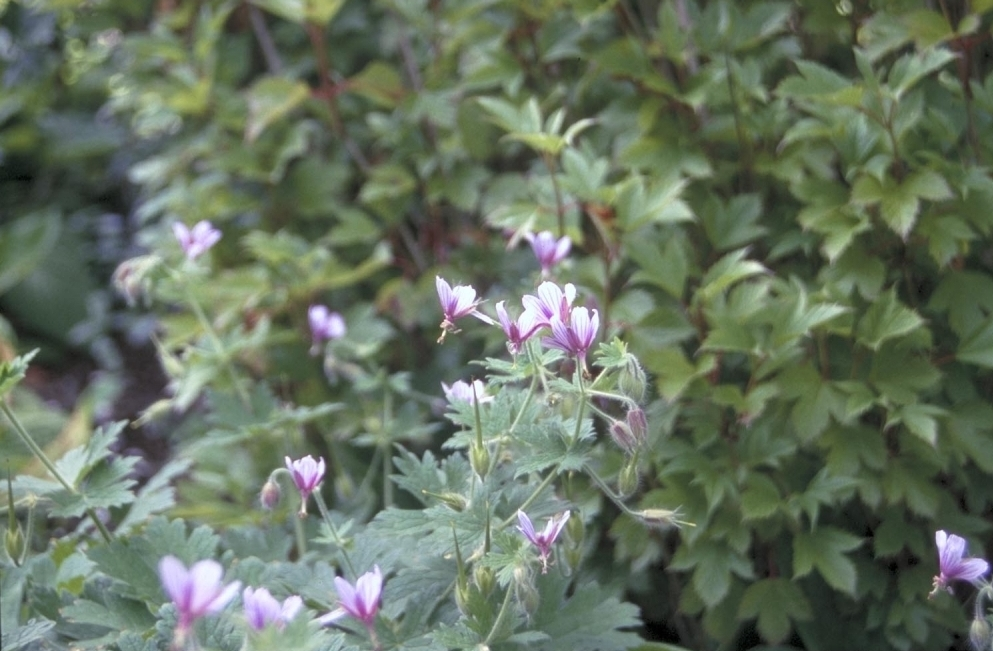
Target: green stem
[(334, 533), (504, 609), (582, 405), (300, 535), (45, 461), (530, 500), (215, 340), (608, 491)]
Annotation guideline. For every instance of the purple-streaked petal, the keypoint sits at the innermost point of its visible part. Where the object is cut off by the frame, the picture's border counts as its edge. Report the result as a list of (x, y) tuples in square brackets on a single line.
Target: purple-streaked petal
[(223, 598), (347, 596), (175, 580), (525, 527), (290, 608), (205, 578)]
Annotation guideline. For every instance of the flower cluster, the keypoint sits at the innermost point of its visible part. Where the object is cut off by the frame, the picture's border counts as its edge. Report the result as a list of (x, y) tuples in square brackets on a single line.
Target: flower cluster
[(571, 329)]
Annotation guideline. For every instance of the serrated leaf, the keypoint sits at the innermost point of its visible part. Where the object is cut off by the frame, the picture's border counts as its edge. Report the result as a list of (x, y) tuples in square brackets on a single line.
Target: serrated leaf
[(977, 346), (269, 100), (591, 619), (775, 602), (824, 549), (760, 497), (13, 371), (18, 637), (727, 271), (713, 563), (886, 319)]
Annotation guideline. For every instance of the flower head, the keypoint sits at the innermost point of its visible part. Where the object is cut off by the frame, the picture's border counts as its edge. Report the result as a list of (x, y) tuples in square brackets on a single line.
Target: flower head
[(951, 564), (307, 475), (456, 302), (461, 391), (197, 591), (548, 250), (262, 609), (546, 538), (361, 601), (517, 331), (551, 300), (324, 325), (575, 336), (198, 240)]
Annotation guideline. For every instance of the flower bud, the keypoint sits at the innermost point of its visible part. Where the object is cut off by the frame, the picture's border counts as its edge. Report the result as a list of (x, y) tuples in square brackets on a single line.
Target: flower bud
[(576, 531), (627, 482), (479, 458), (631, 379), (484, 578), (463, 595), (14, 543), (623, 436), (269, 495), (660, 518), (980, 634), (638, 424)]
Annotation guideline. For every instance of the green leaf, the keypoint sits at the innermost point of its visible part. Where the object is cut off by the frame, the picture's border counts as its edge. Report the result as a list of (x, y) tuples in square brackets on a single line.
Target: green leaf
[(269, 100), (976, 347), (775, 602), (19, 637), (824, 549), (591, 619), (661, 263), (727, 271), (640, 202), (921, 420), (760, 497), (734, 224), (713, 563), (886, 319), (25, 243), (13, 371)]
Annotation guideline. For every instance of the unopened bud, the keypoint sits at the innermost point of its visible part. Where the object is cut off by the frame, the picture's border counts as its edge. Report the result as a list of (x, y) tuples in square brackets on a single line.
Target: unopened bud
[(454, 501), (576, 530), (631, 379), (638, 424), (463, 594), (660, 518), (479, 457), (484, 579), (980, 634), (623, 436), (627, 482), (269, 495), (14, 543), (132, 277), (527, 595)]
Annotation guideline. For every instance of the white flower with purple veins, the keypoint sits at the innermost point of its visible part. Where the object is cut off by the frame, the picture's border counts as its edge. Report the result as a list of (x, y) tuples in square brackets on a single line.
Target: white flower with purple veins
[(575, 336), (546, 538), (324, 325), (198, 240), (952, 566), (461, 391), (262, 609), (196, 591), (517, 331), (361, 601), (548, 250), (550, 301), (307, 475), (456, 302)]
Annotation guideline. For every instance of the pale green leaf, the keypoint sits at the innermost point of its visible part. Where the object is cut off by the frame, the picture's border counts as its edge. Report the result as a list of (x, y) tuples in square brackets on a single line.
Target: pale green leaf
[(269, 100)]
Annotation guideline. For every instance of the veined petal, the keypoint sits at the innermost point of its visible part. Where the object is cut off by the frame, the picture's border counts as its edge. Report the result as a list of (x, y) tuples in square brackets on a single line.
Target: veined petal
[(205, 579), (175, 581)]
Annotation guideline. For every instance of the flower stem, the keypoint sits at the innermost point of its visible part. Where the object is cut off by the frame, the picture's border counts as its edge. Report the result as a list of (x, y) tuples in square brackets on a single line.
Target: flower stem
[(502, 615), (45, 461), (582, 406), (334, 532), (215, 340), (530, 500)]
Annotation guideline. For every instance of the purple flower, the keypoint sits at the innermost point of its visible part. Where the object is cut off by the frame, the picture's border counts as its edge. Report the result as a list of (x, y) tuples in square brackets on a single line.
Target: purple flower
[(951, 565), (576, 336), (544, 540), (517, 332), (307, 475), (548, 250), (462, 391), (456, 302), (195, 592), (324, 325), (550, 301), (262, 609), (197, 240), (360, 601)]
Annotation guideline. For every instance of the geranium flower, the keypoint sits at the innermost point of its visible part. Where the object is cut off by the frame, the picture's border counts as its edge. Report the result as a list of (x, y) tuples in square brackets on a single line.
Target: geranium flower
[(546, 538), (575, 336), (197, 591), (951, 564), (461, 391), (196, 241), (361, 601), (551, 301), (548, 250), (307, 475), (262, 609), (517, 331), (324, 325), (456, 302)]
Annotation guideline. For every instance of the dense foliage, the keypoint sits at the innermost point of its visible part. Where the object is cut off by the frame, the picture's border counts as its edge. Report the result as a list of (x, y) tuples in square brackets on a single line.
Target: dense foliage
[(779, 211)]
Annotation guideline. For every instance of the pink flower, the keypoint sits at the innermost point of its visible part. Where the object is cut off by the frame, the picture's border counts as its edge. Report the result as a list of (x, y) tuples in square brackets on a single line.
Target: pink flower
[(307, 475), (195, 592), (262, 609), (548, 250), (456, 302), (324, 325), (360, 601), (198, 240), (462, 391), (546, 538), (517, 332), (550, 301), (951, 564), (576, 336)]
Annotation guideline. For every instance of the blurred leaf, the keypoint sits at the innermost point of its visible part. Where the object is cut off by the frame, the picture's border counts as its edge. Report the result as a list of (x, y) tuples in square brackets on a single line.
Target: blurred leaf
[(824, 549), (775, 602), (885, 319), (12, 372), (24, 244), (270, 99)]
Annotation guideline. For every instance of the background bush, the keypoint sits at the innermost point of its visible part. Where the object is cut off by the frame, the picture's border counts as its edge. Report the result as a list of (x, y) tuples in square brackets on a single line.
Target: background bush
[(782, 208)]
